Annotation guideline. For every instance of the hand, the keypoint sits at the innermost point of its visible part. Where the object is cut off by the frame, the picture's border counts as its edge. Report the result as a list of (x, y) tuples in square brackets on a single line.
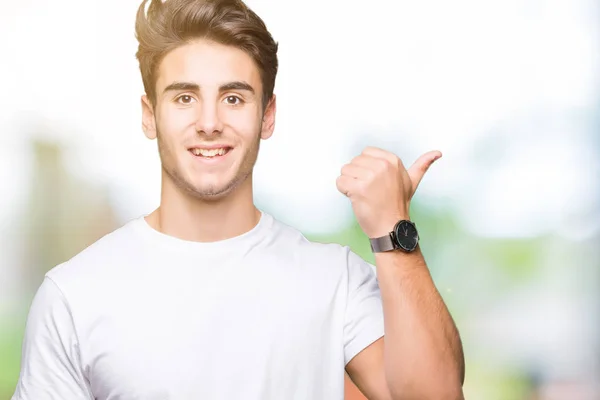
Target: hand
[(380, 188)]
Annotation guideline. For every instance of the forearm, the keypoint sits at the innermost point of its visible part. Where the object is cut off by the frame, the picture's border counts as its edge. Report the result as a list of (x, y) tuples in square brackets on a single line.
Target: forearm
[(423, 352)]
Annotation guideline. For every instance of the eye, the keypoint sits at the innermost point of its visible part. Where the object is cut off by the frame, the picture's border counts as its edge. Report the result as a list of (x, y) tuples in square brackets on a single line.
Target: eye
[(185, 99), (233, 100)]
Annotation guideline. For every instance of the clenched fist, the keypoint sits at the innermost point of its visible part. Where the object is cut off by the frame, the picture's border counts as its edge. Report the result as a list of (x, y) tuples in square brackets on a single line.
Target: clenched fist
[(380, 188)]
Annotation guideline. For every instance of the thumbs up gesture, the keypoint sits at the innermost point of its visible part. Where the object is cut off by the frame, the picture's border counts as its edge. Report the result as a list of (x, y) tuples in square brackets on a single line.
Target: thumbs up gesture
[(380, 187)]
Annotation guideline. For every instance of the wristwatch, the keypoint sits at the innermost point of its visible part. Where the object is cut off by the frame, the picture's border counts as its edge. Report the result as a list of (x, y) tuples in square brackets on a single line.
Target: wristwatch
[(404, 237)]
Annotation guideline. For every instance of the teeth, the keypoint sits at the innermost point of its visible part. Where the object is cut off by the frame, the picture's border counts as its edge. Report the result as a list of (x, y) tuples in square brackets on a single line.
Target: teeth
[(209, 152)]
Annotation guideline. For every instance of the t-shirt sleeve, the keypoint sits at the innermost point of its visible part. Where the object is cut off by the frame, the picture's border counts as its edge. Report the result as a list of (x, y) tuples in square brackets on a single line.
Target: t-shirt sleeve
[(50, 363), (364, 311)]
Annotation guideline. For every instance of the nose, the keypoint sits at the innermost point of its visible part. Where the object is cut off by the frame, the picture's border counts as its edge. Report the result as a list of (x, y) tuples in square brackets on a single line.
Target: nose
[(208, 120)]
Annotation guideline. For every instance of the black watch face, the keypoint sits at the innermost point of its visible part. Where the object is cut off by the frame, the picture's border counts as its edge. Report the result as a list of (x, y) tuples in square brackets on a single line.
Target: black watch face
[(406, 235)]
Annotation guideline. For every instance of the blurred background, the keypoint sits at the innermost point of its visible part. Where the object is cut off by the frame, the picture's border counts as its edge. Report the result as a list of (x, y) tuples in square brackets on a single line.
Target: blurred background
[(508, 90)]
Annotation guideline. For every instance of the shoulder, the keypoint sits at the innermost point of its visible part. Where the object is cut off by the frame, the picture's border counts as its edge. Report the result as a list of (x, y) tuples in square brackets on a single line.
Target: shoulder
[(98, 259), (291, 240)]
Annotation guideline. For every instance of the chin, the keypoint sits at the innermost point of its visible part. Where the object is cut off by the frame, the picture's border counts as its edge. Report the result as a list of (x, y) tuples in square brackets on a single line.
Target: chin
[(208, 192), (211, 191), (206, 189)]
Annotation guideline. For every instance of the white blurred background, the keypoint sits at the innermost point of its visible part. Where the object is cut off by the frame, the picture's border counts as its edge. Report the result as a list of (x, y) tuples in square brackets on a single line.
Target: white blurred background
[(508, 90)]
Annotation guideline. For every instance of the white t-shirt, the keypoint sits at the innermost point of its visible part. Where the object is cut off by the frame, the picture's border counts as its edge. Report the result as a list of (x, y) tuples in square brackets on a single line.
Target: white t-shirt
[(143, 315)]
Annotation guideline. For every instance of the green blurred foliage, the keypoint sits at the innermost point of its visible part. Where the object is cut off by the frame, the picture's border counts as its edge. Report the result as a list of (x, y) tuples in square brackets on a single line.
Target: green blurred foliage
[(11, 338)]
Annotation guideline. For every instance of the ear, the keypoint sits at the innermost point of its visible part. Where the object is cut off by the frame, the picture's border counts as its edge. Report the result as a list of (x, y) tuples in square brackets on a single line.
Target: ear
[(269, 119), (148, 120)]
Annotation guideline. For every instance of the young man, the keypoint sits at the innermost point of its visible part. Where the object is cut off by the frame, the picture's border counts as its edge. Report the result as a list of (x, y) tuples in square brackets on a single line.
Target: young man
[(208, 297)]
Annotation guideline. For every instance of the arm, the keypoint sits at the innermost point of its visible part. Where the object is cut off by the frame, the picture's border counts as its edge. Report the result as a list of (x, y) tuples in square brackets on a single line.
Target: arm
[(50, 363), (421, 355)]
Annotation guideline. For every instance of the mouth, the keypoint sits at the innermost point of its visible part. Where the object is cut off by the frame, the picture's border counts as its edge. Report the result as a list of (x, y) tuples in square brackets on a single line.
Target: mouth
[(210, 153)]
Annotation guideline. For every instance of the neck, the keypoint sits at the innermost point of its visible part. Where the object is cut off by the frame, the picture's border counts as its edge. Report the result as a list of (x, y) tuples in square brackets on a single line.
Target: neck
[(189, 218)]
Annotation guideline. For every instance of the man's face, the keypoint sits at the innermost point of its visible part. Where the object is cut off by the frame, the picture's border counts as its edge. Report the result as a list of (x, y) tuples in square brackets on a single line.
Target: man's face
[(208, 118)]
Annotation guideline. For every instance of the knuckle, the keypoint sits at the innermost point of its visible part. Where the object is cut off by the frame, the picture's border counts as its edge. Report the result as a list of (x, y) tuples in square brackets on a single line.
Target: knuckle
[(384, 165), (371, 175), (361, 187)]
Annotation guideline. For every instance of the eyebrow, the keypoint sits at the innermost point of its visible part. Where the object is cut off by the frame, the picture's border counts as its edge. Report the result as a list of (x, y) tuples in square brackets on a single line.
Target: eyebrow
[(193, 87)]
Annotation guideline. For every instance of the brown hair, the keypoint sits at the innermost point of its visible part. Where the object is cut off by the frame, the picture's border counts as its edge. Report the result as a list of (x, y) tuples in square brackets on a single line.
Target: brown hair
[(168, 24)]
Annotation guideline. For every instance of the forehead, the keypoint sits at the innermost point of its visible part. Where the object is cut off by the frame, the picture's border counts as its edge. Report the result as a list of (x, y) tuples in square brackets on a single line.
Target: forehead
[(209, 64)]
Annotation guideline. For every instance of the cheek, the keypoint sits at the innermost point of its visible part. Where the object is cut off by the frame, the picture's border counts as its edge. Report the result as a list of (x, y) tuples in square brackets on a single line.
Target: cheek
[(246, 123), (171, 121)]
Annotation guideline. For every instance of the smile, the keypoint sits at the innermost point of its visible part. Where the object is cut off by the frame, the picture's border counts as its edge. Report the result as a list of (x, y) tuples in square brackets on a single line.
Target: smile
[(210, 153)]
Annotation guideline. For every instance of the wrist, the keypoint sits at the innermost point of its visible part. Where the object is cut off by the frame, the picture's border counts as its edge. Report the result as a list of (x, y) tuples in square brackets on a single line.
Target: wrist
[(402, 236), (386, 226)]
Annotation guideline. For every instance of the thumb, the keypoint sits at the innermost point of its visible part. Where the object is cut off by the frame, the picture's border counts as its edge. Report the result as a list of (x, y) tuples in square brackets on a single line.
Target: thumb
[(418, 169)]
